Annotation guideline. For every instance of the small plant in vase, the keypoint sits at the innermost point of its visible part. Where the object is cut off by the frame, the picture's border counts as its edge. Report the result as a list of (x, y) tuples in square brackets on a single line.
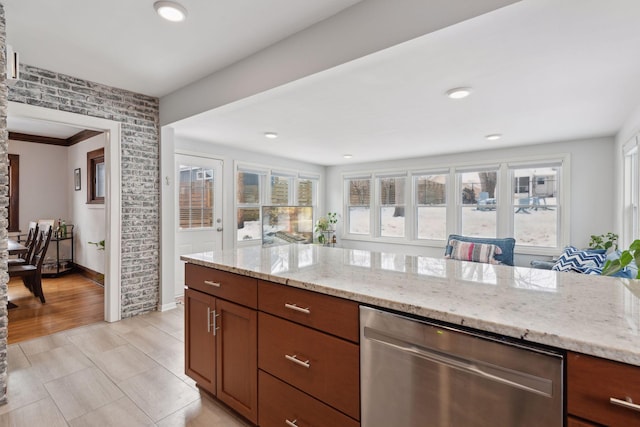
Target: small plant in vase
[(324, 226)]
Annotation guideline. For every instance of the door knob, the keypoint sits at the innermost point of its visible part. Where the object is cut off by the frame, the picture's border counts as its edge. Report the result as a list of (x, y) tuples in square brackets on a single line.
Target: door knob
[(219, 229)]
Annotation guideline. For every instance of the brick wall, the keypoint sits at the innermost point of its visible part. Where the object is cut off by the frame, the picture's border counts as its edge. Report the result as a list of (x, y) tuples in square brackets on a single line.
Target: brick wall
[(140, 169), (4, 203)]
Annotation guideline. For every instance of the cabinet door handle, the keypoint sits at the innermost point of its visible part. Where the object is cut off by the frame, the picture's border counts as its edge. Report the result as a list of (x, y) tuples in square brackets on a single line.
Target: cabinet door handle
[(294, 307), (294, 359), (626, 403), (215, 323), (291, 423), (210, 283), (208, 320)]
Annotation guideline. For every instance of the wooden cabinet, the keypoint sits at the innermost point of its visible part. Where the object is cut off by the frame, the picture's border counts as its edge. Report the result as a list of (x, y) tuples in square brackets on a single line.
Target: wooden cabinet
[(199, 340), (575, 422), (221, 337), (333, 315), (309, 358), (279, 403), (592, 383)]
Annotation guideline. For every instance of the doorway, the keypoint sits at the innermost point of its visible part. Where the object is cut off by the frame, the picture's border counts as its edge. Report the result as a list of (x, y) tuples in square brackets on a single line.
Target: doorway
[(112, 311), (198, 209)]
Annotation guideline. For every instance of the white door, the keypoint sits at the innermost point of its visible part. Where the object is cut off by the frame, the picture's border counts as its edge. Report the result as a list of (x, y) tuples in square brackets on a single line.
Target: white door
[(198, 209)]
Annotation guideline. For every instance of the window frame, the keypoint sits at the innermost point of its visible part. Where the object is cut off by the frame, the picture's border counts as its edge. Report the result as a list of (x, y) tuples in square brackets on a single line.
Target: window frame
[(265, 174), (631, 191), (191, 209), (13, 211), (347, 204), (504, 208), (415, 176), (94, 158)]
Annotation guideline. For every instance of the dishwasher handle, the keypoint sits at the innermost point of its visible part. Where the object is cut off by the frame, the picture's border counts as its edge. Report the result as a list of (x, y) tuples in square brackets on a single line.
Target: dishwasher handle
[(537, 385)]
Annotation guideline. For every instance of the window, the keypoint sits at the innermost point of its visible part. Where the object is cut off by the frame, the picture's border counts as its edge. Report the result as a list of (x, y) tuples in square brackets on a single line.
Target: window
[(307, 188), (391, 206), (359, 205), (431, 206), (257, 187), (631, 196), (281, 190), (535, 204), (478, 203), (96, 179), (14, 193), (248, 199), (195, 203), (523, 200)]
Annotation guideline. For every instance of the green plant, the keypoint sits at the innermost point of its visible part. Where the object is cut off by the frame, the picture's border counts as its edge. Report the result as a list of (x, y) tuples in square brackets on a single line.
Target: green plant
[(626, 257), (604, 241), (99, 245), (325, 224)]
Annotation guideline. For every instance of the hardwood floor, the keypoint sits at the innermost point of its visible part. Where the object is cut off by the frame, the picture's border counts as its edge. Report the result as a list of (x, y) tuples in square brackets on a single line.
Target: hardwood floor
[(72, 301)]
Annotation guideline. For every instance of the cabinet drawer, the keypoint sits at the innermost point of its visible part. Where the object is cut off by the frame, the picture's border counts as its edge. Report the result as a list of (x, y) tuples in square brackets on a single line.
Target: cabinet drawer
[(280, 402), (592, 381), (326, 313), (324, 366), (232, 287)]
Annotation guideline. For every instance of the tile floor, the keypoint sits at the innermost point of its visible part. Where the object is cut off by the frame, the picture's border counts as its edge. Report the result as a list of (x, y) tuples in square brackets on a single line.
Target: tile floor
[(129, 373)]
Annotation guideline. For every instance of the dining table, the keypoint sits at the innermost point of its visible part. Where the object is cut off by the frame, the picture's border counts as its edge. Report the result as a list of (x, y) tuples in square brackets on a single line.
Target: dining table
[(16, 248)]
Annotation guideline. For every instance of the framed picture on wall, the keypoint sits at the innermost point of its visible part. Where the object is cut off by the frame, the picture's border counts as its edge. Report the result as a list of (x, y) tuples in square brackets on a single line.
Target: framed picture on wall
[(76, 179)]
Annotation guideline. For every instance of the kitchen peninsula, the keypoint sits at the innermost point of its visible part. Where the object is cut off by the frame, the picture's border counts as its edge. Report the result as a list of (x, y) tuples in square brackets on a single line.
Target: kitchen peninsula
[(582, 314)]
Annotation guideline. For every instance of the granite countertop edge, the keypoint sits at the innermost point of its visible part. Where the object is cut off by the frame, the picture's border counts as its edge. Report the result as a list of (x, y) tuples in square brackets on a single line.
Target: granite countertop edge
[(564, 342)]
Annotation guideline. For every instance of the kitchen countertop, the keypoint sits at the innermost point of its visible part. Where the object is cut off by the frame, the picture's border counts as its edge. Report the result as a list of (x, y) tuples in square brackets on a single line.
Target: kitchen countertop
[(594, 315)]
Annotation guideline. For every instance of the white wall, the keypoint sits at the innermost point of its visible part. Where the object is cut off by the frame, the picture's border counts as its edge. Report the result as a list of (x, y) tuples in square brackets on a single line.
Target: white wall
[(44, 185), (47, 192), (89, 219), (592, 187)]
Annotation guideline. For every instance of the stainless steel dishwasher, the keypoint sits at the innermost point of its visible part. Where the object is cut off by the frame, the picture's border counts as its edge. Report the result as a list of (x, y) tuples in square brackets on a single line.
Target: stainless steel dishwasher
[(415, 373)]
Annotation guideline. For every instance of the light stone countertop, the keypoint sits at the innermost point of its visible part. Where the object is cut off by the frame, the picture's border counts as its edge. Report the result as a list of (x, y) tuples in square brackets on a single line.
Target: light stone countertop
[(594, 315)]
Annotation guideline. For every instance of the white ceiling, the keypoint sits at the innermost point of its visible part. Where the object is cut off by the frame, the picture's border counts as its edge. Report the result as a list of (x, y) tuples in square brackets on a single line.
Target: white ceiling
[(541, 70), (41, 128), (125, 44)]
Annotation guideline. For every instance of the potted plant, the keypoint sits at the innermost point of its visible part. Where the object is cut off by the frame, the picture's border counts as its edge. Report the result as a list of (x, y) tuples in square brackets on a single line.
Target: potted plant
[(604, 241), (325, 226), (627, 256)]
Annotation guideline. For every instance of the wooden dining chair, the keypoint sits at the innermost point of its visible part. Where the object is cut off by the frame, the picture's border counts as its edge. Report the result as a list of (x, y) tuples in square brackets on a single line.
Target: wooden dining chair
[(29, 243), (31, 273)]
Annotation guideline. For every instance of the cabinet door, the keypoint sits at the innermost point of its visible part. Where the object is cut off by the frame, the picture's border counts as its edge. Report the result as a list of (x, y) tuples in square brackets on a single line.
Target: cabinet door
[(237, 358), (574, 422), (199, 340)]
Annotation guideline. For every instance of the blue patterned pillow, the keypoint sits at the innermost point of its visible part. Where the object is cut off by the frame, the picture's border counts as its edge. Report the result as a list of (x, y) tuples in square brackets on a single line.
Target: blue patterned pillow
[(573, 259)]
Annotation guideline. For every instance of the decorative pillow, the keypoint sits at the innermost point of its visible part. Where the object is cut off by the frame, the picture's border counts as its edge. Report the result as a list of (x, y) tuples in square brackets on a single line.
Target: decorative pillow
[(476, 252), (573, 259)]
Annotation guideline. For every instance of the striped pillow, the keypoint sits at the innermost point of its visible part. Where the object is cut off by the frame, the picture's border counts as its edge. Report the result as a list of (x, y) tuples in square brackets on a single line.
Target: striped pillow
[(574, 259), (476, 252)]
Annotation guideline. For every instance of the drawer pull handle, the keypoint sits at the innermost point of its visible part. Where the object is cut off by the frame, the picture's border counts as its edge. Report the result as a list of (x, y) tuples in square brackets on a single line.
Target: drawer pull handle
[(296, 308), (294, 359), (291, 423), (627, 403), (215, 322), (210, 283)]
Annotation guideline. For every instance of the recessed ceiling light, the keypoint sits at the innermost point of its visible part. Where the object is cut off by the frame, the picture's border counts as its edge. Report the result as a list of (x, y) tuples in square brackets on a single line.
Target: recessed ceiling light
[(270, 135), (170, 11), (459, 92), (347, 156), (493, 136)]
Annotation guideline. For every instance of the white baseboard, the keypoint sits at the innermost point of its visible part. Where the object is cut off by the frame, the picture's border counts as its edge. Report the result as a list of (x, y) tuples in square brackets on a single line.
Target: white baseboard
[(166, 307)]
